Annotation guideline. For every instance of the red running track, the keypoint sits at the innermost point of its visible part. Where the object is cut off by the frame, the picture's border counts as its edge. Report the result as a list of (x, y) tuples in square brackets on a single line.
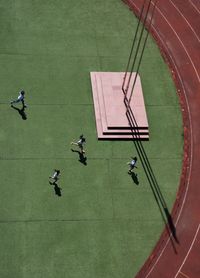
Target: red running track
[(176, 28)]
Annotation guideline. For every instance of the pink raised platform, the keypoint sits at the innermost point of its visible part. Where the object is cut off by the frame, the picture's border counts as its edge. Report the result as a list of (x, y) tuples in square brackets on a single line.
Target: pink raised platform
[(110, 110)]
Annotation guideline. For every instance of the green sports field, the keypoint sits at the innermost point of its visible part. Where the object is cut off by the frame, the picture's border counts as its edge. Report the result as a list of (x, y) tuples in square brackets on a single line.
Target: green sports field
[(103, 225)]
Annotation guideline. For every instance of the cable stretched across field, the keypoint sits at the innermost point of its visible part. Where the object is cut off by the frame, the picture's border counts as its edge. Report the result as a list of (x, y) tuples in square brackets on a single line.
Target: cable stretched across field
[(134, 126), (146, 13)]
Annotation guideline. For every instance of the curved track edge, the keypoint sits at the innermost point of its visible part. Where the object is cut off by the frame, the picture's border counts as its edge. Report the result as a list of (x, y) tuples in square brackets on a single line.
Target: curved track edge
[(186, 163)]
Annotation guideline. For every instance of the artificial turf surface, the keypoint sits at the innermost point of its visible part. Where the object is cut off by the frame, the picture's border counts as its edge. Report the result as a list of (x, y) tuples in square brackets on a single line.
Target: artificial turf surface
[(103, 225)]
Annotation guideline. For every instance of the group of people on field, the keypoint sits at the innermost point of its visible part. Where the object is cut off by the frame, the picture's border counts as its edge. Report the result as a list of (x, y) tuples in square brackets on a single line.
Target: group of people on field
[(79, 143)]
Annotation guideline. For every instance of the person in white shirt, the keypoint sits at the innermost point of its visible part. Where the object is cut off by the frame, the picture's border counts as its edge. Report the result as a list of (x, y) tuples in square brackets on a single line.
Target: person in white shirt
[(132, 164), (55, 176), (80, 143), (20, 99)]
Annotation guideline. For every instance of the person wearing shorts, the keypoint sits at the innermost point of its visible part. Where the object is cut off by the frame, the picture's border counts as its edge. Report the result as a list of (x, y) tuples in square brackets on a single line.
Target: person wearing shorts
[(55, 176), (132, 164), (80, 143), (20, 98)]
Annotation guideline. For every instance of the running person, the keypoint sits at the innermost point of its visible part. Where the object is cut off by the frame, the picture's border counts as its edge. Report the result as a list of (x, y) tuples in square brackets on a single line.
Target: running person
[(55, 176), (19, 99), (132, 164), (80, 143)]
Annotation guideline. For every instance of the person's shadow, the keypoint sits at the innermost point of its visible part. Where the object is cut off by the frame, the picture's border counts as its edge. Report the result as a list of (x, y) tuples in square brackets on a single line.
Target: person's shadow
[(21, 112), (57, 189), (82, 158), (134, 177)]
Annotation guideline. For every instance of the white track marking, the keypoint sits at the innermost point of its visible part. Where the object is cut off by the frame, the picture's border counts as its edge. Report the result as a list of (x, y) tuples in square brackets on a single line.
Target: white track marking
[(191, 61), (195, 236), (194, 6), (183, 274), (191, 154), (185, 20), (189, 171)]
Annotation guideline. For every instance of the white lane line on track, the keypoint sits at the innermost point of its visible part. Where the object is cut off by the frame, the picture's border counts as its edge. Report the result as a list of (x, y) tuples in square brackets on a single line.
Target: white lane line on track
[(185, 20), (191, 154), (192, 244), (184, 275), (189, 171), (191, 61), (194, 6)]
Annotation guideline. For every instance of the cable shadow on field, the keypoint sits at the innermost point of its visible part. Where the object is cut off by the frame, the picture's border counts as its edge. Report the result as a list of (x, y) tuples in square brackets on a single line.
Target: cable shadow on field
[(166, 216), (137, 51)]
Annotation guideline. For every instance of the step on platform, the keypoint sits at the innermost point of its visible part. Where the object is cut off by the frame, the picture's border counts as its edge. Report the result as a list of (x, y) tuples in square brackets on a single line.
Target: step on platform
[(110, 110)]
